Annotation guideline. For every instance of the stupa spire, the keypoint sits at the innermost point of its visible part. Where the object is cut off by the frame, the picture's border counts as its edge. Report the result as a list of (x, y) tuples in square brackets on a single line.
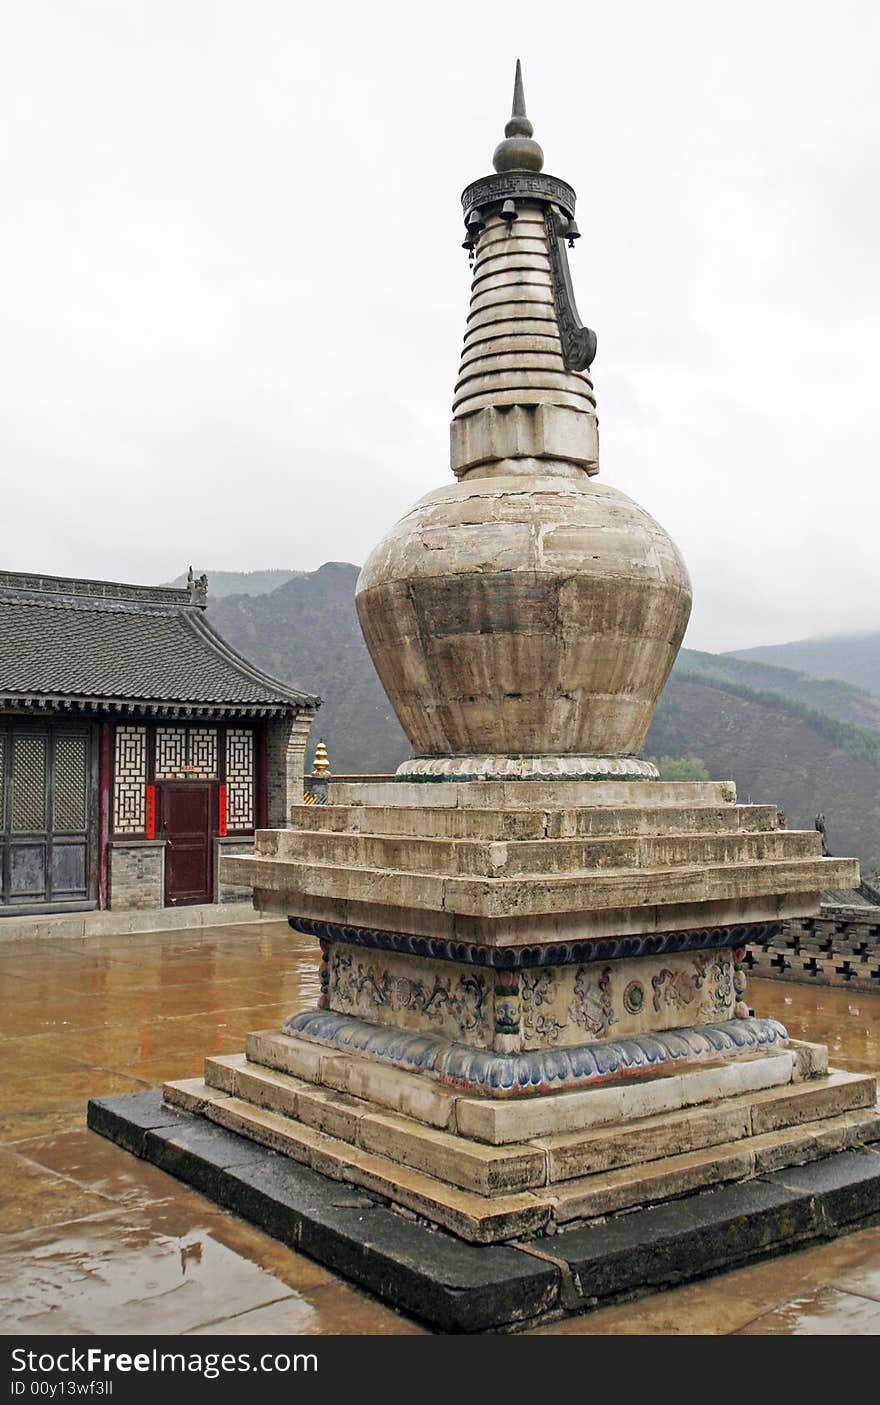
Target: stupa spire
[(518, 152), (519, 105), (524, 393)]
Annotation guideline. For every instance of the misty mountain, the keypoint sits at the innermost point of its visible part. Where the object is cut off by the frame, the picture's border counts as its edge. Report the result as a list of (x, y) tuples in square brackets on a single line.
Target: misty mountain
[(222, 583), (306, 632), (855, 658), (779, 754), (831, 695)]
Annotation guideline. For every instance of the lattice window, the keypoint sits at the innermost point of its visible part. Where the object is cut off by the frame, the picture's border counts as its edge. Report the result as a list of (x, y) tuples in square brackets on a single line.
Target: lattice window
[(170, 752), (70, 785), (186, 753), (130, 781), (239, 778), (29, 785), (202, 759)]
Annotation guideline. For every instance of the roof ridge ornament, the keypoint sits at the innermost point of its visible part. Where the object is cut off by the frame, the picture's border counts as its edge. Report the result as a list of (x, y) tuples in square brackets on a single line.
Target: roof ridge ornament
[(198, 589)]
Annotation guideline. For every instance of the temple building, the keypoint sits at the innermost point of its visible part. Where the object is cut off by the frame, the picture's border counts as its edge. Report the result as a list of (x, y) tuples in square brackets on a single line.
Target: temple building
[(136, 747)]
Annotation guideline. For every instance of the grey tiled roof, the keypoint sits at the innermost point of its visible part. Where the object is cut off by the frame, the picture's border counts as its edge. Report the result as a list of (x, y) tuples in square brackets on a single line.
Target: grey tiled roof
[(102, 642), (863, 896)]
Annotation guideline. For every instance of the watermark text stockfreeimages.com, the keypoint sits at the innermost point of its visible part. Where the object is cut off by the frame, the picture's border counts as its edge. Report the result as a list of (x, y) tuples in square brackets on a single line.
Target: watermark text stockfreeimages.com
[(95, 1361)]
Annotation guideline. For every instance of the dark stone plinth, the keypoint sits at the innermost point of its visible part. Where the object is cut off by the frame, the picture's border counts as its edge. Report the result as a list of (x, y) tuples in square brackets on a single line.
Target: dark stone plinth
[(459, 1287), (428, 1273)]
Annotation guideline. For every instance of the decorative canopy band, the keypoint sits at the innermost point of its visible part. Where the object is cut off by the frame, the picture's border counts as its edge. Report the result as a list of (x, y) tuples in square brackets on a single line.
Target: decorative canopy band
[(552, 954), (490, 192)]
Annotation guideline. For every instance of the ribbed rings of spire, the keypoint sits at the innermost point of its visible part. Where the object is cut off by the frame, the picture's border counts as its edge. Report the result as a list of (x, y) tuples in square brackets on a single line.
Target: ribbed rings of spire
[(512, 353)]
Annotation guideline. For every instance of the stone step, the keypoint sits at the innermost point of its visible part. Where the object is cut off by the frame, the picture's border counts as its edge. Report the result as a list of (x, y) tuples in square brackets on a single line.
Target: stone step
[(465, 1163), (489, 897), (477, 1218), (528, 857), (502, 1121), (504, 1215), (431, 821), (567, 1155), (532, 794), (577, 1154), (474, 1166), (671, 1176)]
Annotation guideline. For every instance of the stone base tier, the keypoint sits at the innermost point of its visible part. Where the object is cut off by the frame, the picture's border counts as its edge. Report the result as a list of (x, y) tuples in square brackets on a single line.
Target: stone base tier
[(459, 1287), (499, 1120), (682, 1134), (543, 1070), (513, 862)]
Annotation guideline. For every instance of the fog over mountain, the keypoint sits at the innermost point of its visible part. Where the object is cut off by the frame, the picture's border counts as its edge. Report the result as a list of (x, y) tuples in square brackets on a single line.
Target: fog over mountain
[(853, 657), (222, 583)]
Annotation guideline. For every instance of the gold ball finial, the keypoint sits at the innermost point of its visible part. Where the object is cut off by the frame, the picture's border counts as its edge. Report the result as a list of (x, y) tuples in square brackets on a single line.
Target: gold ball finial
[(322, 760)]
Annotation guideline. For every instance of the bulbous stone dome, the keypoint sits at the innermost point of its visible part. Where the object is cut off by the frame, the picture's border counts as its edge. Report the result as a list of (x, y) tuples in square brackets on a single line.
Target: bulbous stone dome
[(524, 620), (525, 616)]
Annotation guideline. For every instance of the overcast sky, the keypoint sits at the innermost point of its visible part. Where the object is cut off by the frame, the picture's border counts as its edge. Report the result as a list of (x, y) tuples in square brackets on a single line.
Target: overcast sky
[(234, 291)]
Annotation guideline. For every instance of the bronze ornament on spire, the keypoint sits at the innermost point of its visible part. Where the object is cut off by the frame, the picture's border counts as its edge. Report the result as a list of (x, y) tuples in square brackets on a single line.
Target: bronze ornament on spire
[(518, 152), (519, 162)]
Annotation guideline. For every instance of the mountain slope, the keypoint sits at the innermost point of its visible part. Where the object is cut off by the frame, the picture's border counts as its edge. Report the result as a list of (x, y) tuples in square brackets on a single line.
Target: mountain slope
[(838, 699), (778, 757), (855, 658), (306, 632)]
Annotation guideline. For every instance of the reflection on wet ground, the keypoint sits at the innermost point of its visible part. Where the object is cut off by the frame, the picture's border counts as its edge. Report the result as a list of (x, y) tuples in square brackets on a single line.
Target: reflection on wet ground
[(848, 1021), (96, 1242)]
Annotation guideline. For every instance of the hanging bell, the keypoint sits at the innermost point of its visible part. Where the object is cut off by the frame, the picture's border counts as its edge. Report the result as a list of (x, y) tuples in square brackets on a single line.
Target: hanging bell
[(572, 232), (508, 212)]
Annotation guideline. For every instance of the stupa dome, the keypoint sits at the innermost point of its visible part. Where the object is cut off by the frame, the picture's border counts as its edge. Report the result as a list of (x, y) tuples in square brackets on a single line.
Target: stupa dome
[(524, 621)]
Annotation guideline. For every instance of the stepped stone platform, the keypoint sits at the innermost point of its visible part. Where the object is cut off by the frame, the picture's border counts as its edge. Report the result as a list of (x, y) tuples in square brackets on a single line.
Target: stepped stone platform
[(500, 861), (562, 1161), (532, 1028), (725, 1183)]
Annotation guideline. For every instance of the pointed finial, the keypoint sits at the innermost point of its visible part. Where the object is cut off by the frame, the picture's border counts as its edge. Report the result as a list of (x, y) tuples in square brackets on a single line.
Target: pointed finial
[(522, 128), (322, 760), (518, 152)]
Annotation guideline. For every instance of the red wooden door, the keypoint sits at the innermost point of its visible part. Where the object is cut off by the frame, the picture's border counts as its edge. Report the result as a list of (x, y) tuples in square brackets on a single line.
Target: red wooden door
[(186, 814)]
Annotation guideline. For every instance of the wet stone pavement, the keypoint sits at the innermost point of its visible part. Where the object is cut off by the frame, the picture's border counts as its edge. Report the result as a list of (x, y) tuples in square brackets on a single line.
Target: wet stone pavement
[(96, 1242)]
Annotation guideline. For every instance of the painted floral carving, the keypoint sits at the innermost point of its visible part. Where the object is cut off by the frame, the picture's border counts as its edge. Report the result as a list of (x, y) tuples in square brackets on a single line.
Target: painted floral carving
[(592, 1006), (678, 989), (538, 994), (461, 998), (352, 978)]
